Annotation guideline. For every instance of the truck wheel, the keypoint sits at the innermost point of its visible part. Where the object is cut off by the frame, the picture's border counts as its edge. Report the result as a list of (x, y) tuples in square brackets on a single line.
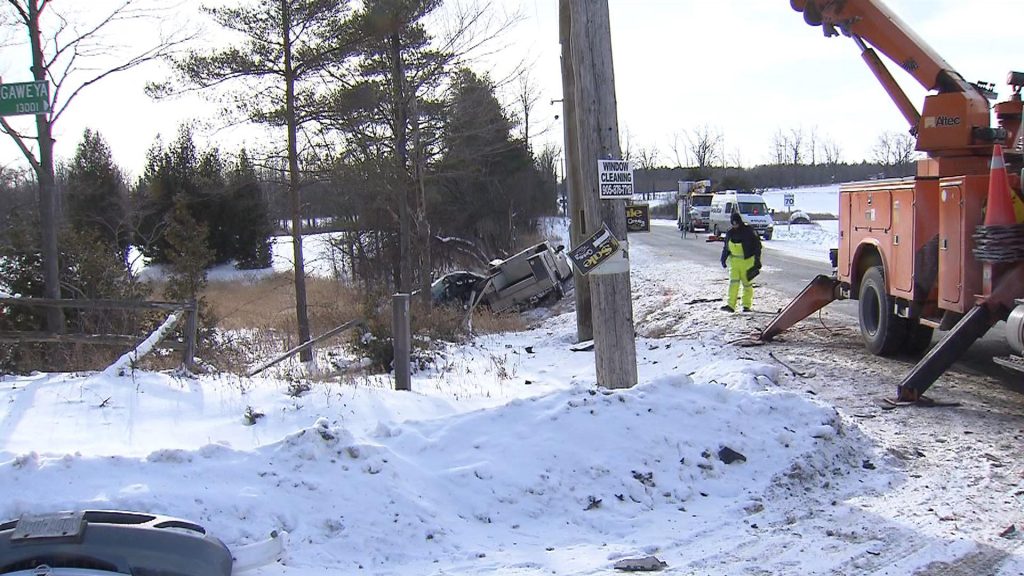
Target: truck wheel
[(768, 235), (883, 331), (919, 338)]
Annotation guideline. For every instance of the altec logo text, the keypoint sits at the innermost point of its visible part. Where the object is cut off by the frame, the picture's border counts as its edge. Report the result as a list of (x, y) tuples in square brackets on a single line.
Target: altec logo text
[(941, 121)]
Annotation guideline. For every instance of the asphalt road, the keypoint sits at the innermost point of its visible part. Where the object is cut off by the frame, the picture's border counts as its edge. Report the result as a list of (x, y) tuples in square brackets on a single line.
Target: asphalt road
[(789, 275)]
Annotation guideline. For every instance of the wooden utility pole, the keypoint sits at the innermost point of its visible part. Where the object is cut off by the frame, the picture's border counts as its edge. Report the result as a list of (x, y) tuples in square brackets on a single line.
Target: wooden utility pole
[(574, 209), (597, 137)]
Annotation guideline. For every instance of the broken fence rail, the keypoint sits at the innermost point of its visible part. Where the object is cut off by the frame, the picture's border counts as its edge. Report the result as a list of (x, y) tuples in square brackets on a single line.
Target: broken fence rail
[(332, 332)]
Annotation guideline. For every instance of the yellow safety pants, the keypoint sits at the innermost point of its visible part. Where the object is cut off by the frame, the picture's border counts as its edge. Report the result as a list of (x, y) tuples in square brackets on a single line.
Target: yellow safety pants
[(738, 267)]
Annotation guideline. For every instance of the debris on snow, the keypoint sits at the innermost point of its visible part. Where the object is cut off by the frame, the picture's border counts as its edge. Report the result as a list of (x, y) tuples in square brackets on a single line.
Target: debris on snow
[(645, 564)]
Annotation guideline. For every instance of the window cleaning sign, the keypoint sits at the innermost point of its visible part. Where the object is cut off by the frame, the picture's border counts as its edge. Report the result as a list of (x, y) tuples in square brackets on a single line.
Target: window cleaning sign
[(24, 98), (594, 250), (615, 178)]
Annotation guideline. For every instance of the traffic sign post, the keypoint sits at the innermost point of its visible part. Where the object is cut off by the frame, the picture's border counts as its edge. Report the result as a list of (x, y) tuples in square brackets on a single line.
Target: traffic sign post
[(24, 98), (789, 199)]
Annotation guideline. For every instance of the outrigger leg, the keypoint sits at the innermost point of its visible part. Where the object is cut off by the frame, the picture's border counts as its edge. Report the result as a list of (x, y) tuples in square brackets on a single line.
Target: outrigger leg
[(972, 326), (815, 296)]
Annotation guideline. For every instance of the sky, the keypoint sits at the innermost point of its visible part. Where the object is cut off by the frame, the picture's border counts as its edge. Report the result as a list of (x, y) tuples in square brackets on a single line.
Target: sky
[(743, 68), (507, 458)]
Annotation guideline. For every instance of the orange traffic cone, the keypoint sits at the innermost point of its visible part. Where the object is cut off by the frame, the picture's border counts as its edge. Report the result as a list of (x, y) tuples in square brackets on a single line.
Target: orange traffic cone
[(1000, 207)]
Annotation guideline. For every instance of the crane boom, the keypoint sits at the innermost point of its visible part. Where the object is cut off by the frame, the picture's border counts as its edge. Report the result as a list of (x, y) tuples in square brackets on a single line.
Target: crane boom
[(955, 120)]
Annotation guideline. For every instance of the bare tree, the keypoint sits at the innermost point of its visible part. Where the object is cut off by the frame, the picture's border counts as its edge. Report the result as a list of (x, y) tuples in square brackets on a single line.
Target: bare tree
[(705, 145), (894, 149), (812, 145), (780, 148), (831, 151), (680, 152), (70, 57), (795, 151), (527, 95), (647, 160)]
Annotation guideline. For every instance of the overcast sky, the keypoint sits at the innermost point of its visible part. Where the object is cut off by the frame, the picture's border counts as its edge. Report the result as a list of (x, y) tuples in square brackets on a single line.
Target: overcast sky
[(744, 68)]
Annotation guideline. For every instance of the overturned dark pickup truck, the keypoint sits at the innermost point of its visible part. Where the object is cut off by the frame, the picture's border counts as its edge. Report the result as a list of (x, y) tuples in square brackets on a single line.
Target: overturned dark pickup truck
[(538, 275)]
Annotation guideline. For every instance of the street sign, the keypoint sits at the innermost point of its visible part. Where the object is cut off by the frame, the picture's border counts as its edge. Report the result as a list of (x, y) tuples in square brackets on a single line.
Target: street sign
[(615, 178), (594, 250), (24, 98), (789, 199), (638, 218)]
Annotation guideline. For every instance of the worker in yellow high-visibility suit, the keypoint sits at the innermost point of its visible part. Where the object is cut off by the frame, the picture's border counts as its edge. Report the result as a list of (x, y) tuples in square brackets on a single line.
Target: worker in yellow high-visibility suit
[(742, 251)]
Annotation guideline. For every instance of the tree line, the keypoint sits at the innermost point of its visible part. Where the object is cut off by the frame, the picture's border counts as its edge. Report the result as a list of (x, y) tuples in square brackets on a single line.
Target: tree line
[(797, 158), (378, 124)]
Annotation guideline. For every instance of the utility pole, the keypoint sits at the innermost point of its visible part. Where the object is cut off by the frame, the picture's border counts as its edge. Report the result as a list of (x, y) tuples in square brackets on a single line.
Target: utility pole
[(575, 208), (595, 119)]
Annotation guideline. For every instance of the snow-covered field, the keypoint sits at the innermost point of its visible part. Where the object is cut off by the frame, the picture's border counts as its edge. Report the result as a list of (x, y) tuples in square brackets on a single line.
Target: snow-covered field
[(812, 199), (508, 458)]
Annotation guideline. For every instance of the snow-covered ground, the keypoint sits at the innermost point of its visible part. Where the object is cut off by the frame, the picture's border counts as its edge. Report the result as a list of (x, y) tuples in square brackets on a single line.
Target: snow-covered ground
[(507, 457), (812, 199)]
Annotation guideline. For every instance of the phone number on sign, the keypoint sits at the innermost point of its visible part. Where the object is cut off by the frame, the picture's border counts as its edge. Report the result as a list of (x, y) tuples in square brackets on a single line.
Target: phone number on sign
[(616, 190)]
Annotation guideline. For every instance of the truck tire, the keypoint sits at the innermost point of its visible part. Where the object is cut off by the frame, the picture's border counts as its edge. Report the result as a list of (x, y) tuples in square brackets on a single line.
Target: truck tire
[(768, 235), (919, 338), (883, 331)]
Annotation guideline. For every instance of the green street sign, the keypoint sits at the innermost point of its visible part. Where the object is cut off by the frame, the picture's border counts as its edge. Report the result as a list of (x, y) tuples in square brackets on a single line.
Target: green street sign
[(24, 98)]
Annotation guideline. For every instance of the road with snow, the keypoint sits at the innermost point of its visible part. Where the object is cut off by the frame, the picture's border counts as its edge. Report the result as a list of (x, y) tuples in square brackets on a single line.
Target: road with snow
[(787, 273)]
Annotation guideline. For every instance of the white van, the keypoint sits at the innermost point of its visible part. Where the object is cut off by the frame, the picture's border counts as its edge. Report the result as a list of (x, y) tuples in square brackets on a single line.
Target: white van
[(750, 206)]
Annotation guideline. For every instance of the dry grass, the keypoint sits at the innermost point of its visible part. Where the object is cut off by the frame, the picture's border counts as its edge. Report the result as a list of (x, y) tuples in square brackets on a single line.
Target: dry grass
[(256, 321), (269, 305), (260, 320)]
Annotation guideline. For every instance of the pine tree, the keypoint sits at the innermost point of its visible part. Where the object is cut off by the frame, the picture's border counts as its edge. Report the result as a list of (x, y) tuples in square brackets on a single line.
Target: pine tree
[(169, 173), (188, 254), (288, 49), (96, 195), (489, 186), (251, 225)]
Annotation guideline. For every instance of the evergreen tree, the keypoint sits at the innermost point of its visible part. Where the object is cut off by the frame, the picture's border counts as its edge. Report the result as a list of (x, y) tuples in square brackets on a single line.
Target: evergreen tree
[(188, 254), (289, 48), (169, 173), (211, 205), (96, 196), (489, 186), (250, 217)]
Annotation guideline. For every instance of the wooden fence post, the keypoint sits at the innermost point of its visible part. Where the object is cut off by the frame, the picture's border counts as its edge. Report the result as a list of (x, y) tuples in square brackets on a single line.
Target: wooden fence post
[(401, 333)]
